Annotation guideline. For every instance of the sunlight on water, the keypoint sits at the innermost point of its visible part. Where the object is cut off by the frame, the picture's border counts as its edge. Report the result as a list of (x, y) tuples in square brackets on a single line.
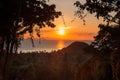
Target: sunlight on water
[(60, 45), (45, 45)]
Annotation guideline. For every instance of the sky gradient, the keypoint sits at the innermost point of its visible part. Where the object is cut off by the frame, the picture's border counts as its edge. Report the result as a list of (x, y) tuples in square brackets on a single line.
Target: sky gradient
[(74, 28)]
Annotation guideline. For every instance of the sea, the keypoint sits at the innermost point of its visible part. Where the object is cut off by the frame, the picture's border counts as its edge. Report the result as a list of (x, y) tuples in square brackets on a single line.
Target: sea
[(46, 45)]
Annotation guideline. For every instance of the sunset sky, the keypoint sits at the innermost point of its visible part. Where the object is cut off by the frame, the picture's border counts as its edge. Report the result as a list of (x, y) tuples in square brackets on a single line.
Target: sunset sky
[(74, 29)]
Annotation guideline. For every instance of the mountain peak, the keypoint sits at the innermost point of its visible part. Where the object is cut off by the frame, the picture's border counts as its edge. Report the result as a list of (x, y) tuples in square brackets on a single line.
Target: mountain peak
[(75, 47), (77, 44)]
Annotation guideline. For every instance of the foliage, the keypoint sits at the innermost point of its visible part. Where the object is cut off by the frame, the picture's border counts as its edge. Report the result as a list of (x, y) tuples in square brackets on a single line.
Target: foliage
[(107, 38), (48, 66), (109, 10), (59, 66), (20, 16)]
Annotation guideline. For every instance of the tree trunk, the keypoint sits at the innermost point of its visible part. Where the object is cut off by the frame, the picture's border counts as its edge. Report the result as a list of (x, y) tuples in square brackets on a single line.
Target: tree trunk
[(115, 63), (11, 47), (1, 47), (5, 67), (5, 62)]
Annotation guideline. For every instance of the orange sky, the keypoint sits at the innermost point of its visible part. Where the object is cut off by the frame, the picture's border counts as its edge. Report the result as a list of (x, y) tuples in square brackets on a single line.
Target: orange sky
[(74, 30)]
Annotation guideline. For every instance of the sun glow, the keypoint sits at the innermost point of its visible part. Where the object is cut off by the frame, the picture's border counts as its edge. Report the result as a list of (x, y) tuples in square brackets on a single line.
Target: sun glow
[(61, 31)]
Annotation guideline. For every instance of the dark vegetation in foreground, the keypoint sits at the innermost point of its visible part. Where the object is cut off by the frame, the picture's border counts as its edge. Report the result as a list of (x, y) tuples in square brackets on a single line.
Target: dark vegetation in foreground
[(78, 61)]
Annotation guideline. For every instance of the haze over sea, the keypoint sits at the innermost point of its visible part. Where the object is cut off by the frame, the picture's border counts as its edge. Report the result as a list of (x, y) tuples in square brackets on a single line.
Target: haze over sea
[(46, 45)]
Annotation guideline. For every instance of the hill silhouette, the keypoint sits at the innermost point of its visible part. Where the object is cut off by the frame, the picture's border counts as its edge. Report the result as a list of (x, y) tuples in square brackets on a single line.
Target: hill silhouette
[(75, 47), (75, 62)]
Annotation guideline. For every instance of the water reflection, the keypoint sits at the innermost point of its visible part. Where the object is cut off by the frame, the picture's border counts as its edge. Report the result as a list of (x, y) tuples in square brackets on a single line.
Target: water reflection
[(60, 44)]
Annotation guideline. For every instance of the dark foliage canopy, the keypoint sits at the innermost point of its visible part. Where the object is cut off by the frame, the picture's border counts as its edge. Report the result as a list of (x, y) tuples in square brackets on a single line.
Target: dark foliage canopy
[(20, 16), (109, 10), (107, 38)]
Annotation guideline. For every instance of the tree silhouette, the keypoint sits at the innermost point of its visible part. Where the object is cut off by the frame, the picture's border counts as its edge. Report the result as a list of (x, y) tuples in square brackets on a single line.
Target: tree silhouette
[(107, 39), (109, 10), (20, 16)]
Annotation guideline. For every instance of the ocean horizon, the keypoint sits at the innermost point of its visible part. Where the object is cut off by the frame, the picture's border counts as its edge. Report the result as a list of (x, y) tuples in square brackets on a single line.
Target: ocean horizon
[(46, 45)]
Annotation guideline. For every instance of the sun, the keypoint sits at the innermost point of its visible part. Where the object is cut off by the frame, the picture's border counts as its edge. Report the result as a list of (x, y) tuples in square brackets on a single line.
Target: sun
[(61, 31)]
